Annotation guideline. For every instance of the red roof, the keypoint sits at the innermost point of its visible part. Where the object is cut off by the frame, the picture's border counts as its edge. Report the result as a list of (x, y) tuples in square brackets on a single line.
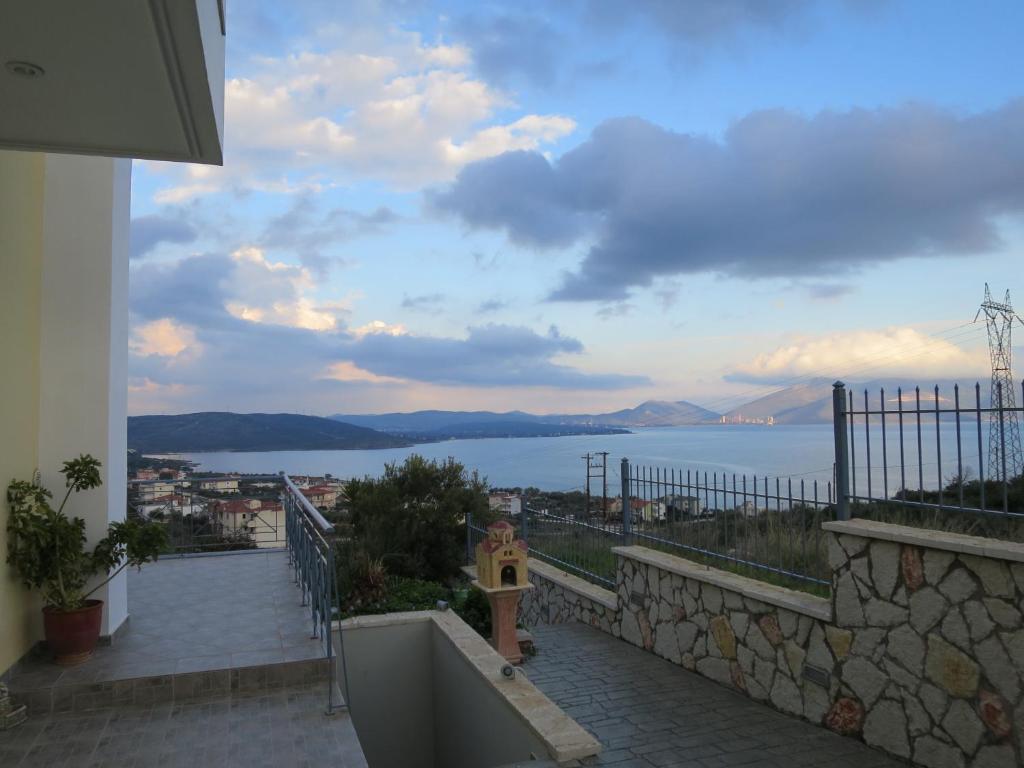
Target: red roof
[(489, 545), (501, 524)]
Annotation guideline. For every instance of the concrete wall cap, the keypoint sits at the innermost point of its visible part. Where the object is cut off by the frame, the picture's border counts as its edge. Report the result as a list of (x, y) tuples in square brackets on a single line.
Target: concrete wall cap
[(929, 539)]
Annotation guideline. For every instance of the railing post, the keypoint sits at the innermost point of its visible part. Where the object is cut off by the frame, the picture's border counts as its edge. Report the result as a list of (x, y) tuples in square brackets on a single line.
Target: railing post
[(842, 451), (627, 507), (524, 524), (469, 537)]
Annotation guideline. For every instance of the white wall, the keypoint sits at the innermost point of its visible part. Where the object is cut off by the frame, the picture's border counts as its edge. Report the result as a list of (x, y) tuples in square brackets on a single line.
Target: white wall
[(84, 339)]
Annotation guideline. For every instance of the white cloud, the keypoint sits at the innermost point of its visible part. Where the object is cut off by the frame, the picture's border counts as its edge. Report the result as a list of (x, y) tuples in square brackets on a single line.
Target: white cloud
[(164, 338), (410, 116), (873, 353), (379, 326), (264, 291)]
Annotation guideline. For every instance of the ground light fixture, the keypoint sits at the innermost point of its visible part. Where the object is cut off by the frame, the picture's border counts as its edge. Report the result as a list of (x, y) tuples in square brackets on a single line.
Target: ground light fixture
[(24, 69)]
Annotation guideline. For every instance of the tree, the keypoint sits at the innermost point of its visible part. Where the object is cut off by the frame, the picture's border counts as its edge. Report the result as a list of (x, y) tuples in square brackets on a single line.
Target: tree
[(412, 519)]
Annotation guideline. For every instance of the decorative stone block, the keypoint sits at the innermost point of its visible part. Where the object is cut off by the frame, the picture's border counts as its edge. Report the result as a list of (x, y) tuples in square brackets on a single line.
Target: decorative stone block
[(995, 714), (998, 667), (911, 568), (769, 625), (846, 716), (906, 647), (839, 640), (950, 668), (722, 632), (786, 696)]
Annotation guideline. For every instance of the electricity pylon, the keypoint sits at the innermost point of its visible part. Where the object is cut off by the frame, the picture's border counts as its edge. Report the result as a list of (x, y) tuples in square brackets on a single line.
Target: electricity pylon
[(1005, 457)]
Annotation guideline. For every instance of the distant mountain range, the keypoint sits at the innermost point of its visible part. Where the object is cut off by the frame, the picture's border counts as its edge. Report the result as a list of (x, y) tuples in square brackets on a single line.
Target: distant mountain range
[(653, 413), (805, 403), (221, 431)]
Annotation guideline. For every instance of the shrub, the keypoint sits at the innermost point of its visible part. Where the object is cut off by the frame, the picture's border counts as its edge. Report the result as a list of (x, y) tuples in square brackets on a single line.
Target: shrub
[(413, 518)]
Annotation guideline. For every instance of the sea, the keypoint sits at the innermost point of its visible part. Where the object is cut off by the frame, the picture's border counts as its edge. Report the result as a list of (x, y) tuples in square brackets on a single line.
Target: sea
[(800, 452)]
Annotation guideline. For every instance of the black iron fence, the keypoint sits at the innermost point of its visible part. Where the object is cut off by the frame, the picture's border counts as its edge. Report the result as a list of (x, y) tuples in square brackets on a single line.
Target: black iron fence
[(950, 459)]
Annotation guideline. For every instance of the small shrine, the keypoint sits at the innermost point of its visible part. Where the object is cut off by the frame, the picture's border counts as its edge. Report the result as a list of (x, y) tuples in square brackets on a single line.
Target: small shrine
[(10, 715), (501, 558), (502, 573)]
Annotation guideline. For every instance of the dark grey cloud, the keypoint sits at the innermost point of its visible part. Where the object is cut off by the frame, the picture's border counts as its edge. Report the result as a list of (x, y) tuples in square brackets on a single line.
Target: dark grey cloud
[(491, 305), (779, 195), (431, 303), (510, 46), (310, 234), (147, 232), (490, 356), (828, 291)]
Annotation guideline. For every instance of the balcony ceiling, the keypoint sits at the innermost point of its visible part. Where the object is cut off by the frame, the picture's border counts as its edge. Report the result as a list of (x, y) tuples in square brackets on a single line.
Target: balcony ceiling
[(123, 78)]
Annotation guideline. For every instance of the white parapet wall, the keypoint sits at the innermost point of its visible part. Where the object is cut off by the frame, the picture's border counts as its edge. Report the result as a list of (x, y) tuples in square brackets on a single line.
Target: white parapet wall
[(919, 651)]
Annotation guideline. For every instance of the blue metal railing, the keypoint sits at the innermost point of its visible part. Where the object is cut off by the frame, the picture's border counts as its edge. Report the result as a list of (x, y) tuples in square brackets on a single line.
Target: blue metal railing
[(311, 554)]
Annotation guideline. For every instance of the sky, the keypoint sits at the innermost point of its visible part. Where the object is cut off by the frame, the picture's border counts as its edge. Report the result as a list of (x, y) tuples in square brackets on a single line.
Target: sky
[(577, 206)]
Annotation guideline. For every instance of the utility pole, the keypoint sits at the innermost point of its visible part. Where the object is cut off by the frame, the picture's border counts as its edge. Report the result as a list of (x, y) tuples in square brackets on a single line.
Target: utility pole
[(1005, 457), (597, 468)]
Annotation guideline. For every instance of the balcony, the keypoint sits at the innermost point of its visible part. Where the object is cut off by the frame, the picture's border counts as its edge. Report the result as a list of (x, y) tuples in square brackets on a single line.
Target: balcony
[(230, 658)]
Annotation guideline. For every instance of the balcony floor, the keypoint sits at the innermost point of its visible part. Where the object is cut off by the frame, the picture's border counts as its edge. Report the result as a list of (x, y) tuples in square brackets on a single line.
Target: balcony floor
[(197, 614), (215, 667)]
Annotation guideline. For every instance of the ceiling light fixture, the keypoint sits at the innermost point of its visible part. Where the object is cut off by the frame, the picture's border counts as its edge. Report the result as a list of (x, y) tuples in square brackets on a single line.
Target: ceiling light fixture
[(24, 69)]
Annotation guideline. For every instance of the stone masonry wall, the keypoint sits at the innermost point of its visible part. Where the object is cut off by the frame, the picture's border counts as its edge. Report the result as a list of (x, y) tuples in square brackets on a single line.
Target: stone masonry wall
[(935, 656), (558, 597), (924, 657)]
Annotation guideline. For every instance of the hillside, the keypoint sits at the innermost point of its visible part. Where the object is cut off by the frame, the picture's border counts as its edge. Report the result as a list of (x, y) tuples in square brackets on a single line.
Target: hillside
[(431, 421), (474, 430), (653, 413), (220, 431)]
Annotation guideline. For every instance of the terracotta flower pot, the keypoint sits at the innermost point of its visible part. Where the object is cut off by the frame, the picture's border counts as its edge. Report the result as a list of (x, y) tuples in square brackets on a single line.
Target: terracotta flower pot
[(72, 635)]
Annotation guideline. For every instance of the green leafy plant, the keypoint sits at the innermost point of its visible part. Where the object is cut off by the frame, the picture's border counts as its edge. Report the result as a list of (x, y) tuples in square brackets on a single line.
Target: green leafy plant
[(46, 548), (412, 518)]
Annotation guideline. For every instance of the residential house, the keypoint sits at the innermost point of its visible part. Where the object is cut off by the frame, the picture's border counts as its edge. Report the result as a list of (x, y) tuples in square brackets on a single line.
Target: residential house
[(153, 490), (261, 520), (322, 496), (219, 484), (507, 504)]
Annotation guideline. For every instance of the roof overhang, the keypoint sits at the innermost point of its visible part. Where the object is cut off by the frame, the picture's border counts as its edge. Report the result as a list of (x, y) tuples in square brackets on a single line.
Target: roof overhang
[(121, 78)]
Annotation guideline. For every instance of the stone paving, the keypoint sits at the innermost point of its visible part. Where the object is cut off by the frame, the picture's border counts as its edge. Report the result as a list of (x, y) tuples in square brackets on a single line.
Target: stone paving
[(647, 711), (286, 727), (196, 614)]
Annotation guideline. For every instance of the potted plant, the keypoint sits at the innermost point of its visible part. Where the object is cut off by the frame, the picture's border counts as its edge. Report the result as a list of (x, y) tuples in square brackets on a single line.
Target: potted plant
[(46, 549)]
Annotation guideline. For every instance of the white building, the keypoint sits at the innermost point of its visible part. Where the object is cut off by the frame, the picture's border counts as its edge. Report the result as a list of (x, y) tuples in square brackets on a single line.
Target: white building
[(262, 521), (82, 91), (505, 503), (154, 490), (220, 485)]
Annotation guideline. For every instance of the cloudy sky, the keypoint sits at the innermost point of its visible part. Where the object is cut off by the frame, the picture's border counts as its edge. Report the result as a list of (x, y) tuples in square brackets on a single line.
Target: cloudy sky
[(576, 206)]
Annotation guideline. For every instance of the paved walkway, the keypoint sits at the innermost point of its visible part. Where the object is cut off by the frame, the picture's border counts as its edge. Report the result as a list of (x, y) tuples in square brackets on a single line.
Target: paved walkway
[(649, 712)]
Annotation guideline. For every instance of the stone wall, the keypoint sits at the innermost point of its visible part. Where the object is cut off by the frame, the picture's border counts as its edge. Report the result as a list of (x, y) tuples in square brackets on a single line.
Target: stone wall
[(558, 597), (936, 643), (920, 651)]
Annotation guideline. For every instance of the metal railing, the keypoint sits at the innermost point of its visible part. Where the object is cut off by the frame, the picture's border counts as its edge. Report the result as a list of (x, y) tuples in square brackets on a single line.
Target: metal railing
[(950, 460), (768, 528), (311, 554), (199, 520)]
